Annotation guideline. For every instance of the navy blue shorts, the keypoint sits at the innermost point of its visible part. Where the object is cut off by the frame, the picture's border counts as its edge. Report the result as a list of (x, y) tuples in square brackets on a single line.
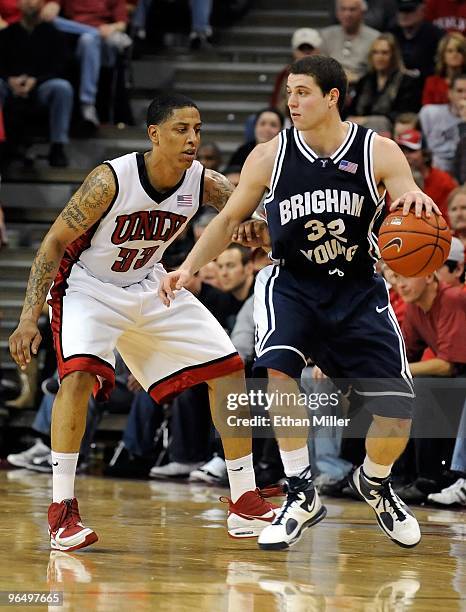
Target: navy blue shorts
[(346, 326)]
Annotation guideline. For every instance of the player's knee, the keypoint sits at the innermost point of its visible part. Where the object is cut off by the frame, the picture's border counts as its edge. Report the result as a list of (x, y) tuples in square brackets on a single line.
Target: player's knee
[(77, 384), (402, 426)]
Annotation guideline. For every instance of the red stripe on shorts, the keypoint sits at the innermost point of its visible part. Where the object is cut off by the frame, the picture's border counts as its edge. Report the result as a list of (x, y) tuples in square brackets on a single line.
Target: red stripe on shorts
[(190, 376)]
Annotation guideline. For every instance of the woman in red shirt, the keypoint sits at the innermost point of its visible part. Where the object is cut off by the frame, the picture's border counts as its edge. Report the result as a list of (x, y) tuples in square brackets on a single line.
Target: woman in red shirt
[(451, 60)]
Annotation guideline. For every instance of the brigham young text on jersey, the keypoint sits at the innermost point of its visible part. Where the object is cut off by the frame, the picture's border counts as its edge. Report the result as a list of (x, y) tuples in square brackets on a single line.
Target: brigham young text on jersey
[(321, 211)]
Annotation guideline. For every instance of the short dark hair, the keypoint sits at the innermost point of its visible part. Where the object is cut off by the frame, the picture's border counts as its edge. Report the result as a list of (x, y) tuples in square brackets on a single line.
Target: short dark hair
[(270, 109), (327, 73), (245, 252), (162, 107)]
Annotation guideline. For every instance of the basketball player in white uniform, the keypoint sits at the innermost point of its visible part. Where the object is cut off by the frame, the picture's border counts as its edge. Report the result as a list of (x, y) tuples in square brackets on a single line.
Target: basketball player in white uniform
[(100, 266)]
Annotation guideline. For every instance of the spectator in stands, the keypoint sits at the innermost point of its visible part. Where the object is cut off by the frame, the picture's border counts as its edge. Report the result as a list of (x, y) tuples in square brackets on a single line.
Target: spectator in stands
[(9, 12), (452, 271), (418, 39), (350, 41), (437, 183), (100, 26), (386, 89), (404, 122), (305, 41), (435, 318), (440, 125), (201, 31), (457, 213), (450, 61), (32, 59), (447, 14), (209, 275), (379, 14), (210, 156), (269, 122)]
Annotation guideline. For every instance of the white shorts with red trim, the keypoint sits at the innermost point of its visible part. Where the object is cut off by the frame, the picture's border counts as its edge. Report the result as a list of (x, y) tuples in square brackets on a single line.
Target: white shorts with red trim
[(166, 349)]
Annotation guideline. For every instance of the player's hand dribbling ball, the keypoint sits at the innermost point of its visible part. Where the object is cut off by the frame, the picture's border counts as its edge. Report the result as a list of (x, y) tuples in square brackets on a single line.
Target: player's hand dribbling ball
[(414, 246)]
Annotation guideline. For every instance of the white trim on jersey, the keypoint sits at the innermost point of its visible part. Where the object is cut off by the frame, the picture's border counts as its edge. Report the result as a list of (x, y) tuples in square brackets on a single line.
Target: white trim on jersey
[(312, 156), (374, 251), (369, 166), (405, 371), (277, 167), (346, 144), (303, 147), (281, 347), (268, 302)]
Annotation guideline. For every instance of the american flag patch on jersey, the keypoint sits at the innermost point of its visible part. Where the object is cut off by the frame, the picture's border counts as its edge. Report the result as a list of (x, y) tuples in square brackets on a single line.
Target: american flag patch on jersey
[(184, 200), (348, 166)]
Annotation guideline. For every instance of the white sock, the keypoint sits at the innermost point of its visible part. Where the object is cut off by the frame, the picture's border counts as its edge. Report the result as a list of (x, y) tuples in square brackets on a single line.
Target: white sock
[(64, 471), (376, 469), (241, 476), (295, 461)]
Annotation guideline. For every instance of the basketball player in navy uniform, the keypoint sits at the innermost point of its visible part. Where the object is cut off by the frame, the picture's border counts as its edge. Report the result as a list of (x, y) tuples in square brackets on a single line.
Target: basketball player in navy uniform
[(101, 262), (325, 182)]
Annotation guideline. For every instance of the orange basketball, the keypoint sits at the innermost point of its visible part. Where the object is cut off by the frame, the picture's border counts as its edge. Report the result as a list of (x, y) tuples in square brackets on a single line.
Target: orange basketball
[(414, 246)]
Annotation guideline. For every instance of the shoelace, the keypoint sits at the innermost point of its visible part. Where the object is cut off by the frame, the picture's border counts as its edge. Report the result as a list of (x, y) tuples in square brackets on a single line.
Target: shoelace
[(72, 514), (387, 496), (293, 488), (264, 493)]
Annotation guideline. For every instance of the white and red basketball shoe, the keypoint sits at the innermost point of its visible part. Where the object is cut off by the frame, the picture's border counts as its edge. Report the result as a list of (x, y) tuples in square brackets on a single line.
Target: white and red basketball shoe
[(65, 527), (251, 513)]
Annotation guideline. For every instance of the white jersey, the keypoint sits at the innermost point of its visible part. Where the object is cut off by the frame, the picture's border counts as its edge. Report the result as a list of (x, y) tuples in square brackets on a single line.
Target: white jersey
[(131, 237)]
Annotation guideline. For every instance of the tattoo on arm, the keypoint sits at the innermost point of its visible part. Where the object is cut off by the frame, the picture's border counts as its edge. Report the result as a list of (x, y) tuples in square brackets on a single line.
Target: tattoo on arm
[(43, 271), (217, 189), (86, 206), (94, 195)]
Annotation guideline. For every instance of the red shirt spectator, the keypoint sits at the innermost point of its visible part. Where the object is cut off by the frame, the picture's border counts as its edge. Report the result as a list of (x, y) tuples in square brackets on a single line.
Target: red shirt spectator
[(438, 323), (435, 90), (95, 12), (9, 11), (450, 15)]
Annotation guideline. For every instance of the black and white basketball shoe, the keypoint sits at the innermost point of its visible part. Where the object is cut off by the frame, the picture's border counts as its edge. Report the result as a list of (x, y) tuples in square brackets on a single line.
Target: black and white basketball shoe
[(393, 516), (301, 509)]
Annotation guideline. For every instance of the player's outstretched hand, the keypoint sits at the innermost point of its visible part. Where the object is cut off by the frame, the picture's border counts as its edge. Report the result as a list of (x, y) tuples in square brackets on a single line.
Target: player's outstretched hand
[(421, 202), (24, 341), (172, 282), (252, 233)]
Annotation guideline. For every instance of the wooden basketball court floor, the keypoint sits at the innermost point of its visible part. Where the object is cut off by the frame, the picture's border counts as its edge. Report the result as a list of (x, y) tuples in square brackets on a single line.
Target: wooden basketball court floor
[(163, 547)]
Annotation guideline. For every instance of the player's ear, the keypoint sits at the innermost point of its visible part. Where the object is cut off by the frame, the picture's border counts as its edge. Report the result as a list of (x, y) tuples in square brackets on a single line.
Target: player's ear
[(153, 133), (333, 97)]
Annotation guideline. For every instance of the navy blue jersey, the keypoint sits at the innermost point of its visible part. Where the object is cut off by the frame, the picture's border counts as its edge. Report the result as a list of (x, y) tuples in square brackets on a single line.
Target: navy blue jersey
[(321, 212)]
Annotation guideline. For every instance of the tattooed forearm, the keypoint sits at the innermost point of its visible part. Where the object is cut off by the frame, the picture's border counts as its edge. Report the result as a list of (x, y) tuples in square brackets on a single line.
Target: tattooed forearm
[(90, 201), (43, 271), (217, 189)]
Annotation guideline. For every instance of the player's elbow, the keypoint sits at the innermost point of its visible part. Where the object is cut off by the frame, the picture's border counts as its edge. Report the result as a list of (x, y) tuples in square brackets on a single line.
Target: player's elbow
[(55, 243)]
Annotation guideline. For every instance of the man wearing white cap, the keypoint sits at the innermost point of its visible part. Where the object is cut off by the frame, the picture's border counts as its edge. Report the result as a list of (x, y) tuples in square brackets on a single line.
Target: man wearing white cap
[(305, 41), (437, 183), (452, 271)]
